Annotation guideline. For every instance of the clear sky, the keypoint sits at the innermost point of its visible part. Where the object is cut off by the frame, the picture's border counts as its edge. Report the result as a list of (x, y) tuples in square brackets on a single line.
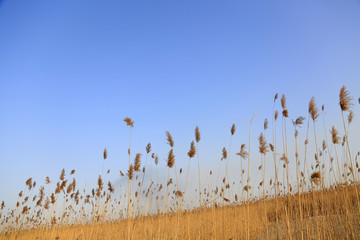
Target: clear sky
[(71, 71)]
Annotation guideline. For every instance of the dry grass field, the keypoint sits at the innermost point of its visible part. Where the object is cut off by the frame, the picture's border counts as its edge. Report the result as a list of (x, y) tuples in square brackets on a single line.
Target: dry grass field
[(323, 201)]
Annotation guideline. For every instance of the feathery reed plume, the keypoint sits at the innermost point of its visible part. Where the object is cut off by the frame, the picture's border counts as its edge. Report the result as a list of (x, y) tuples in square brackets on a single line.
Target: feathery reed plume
[(197, 139), (283, 102), (313, 110), (233, 129), (29, 183), (191, 153), (110, 187), (121, 173), (62, 175), (350, 117), (275, 97), (243, 154), (105, 154), (263, 150), (285, 113), (262, 144), (276, 114), (137, 162), (315, 176), (266, 123), (335, 135), (130, 172), (156, 159), (47, 180), (197, 134), (169, 139), (336, 140), (72, 172), (345, 99), (129, 122), (224, 154), (299, 121), (171, 159), (148, 148)]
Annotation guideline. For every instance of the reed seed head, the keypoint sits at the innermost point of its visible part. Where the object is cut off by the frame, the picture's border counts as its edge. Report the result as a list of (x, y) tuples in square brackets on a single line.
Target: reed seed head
[(266, 123), (156, 159), (169, 139), (171, 159), (262, 144), (148, 148), (192, 150), (315, 176), (299, 121), (335, 135), (275, 97), (285, 113), (224, 154), (137, 162), (197, 134), (313, 110), (232, 129), (243, 154), (105, 153), (350, 117), (276, 114), (283, 102), (129, 122), (345, 99), (130, 173)]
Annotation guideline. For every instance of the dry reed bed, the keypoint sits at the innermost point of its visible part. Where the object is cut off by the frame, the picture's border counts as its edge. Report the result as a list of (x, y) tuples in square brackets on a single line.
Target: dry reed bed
[(322, 203)]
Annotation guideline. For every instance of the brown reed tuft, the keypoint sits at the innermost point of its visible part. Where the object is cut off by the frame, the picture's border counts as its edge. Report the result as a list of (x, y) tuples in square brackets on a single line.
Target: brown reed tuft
[(130, 173), (171, 159), (47, 180), (121, 173), (345, 99), (62, 175), (315, 176), (350, 116), (285, 113), (283, 102), (243, 154), (262, 144), (233, 129), (100, 183), (110, 187), (335, 135), (197, 134), (271, 147), (148, 148), (224, 154), (156, 159), (275, 97), (299, 121), (169, 139), (313, 110), (137, 162), (29, 183), (266, 123), (192, 150), (129, 122), (105, 154)]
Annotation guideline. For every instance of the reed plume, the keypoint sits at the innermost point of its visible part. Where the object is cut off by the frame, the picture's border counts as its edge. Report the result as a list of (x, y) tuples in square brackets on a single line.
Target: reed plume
[(197, 139), (169, 139)]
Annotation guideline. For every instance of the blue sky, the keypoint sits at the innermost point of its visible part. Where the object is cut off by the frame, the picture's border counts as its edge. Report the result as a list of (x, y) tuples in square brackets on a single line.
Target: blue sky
[(71, 71)]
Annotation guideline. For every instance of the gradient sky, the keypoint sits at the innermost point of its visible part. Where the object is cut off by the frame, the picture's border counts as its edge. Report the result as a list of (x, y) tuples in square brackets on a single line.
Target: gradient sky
[(71, 71)]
